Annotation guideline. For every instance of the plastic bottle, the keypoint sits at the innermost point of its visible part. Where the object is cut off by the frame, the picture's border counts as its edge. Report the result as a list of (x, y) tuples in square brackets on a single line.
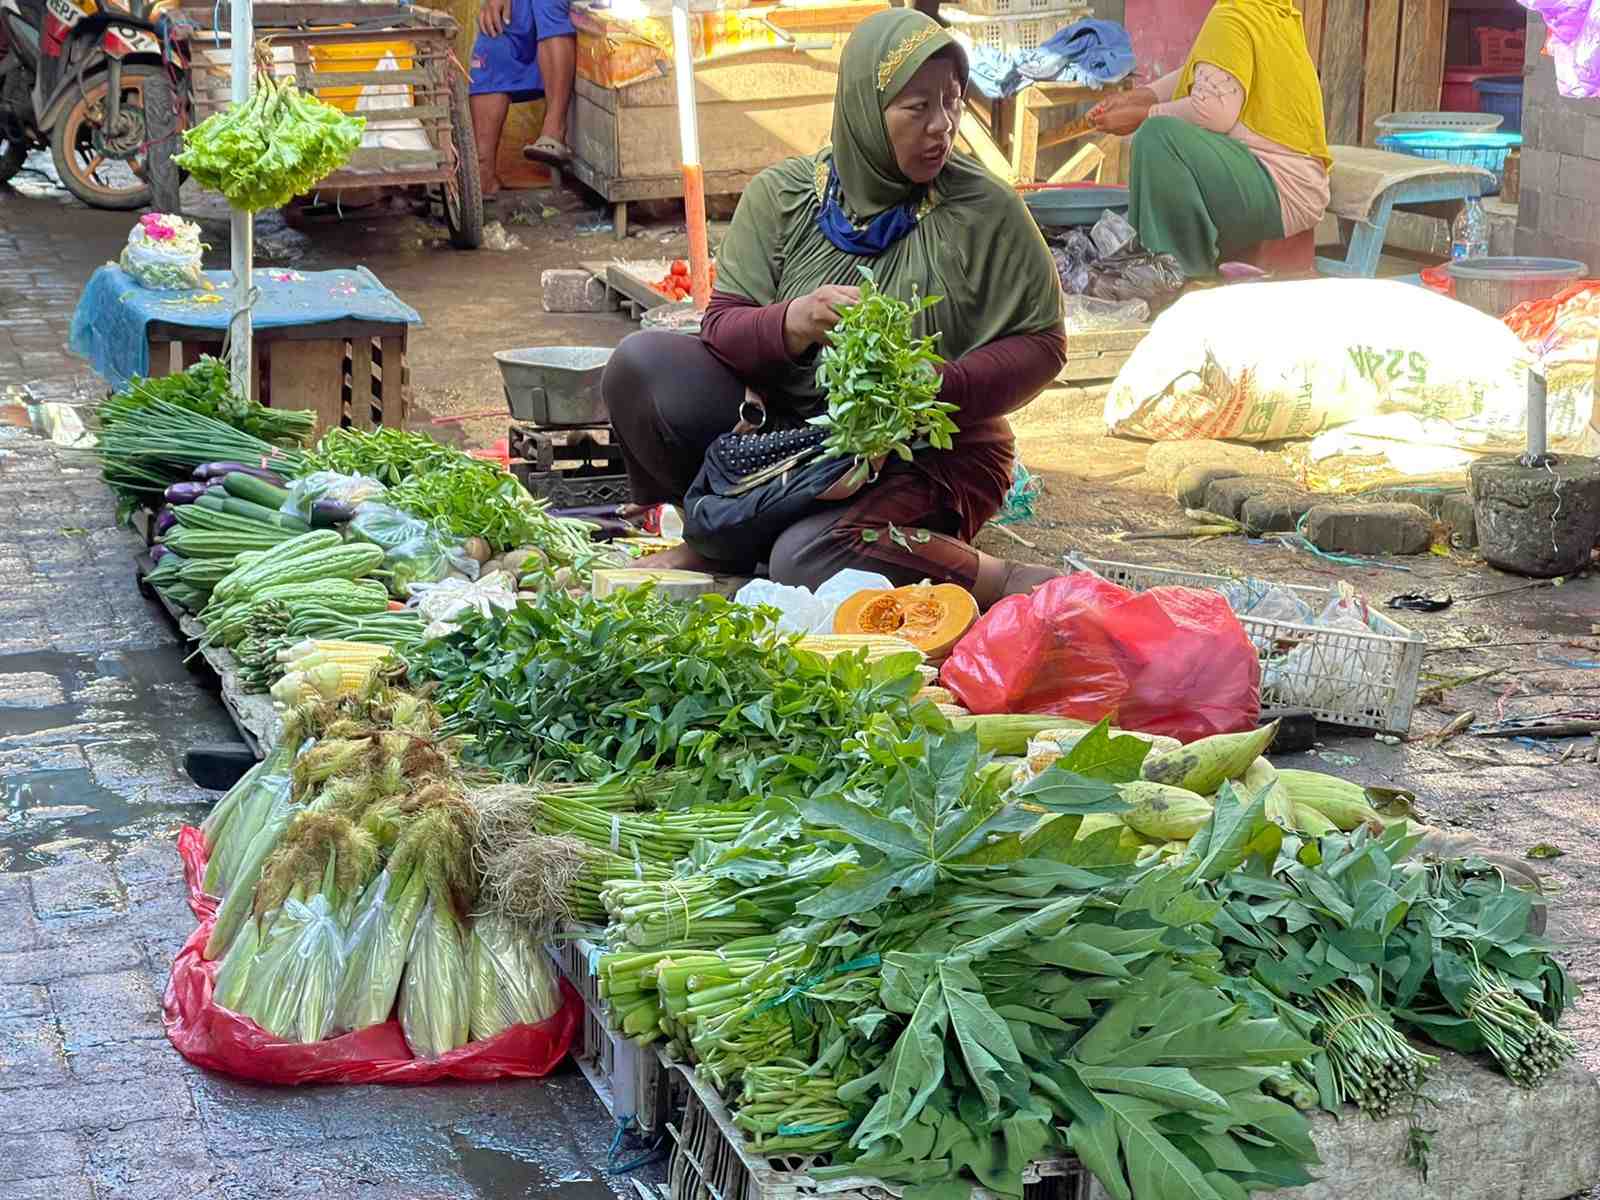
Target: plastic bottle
[(1469, 236)]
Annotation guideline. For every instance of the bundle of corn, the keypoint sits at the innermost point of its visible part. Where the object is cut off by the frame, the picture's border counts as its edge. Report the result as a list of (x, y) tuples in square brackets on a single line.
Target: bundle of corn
[(328, 669)]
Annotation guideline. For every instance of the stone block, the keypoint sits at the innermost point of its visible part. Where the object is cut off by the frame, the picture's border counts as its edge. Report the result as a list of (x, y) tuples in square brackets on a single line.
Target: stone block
[(38, 1156), (1226, 497), (1518, 526), (75, 888), (1190, 488), (1165, 461), (569, 291), (1539, 169), (1275, 511), (1379, 529), (1529, 201), (1591, 137), (1578, 177)]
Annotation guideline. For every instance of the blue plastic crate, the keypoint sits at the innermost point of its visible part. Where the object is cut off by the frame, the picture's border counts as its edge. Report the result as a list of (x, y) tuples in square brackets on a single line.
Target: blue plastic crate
[(1487, 150), (1503, 96)]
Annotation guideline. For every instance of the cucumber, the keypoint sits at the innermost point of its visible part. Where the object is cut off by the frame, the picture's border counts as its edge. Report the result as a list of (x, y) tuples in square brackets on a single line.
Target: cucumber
[(233, 506), (257, 491)]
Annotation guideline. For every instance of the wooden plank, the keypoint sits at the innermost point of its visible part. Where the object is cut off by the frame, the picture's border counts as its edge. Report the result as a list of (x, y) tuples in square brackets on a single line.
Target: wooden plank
[(382, 158), (160, 352), (1342, 72), (344, 79), (310, 377), (1099, 366), (1024, 139), (1383, 44), (1086, 162), (983, 147), (1419, 79), (1315, 11), (393, 350), (362, 391), (1114, 170)]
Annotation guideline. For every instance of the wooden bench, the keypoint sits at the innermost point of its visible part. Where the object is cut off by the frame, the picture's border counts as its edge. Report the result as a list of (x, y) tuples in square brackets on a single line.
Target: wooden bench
[(1369, 185)]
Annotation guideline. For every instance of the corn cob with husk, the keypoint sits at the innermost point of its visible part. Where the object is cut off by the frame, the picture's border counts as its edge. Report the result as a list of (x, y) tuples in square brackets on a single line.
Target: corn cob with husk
[(1261, 779), (513, 982), (1159, 810), (1341, 802), (328, 669), (1205, 765), (877, 646), (1008, 733)]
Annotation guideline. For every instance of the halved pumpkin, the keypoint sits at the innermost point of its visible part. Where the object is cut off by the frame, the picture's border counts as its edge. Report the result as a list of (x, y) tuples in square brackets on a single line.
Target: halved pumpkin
[(932, 618)]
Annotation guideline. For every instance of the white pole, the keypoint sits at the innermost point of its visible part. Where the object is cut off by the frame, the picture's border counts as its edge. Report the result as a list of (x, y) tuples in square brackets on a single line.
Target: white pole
[(694, 180), (1537, 392), (241, 240)]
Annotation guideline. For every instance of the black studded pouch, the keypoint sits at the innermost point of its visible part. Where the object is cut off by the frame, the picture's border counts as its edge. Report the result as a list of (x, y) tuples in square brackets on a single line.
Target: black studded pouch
[(753, 486)]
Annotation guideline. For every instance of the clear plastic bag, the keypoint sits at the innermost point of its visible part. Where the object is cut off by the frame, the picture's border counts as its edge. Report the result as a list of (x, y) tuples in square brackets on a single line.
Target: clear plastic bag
[(1157, 279), (1113, 235), (442, 604), (1088, 314), (414, 552), (513, 982), (375, 951), (353, 490), (435, 1010), (1330, 671), (295, 976), (163, 253), (803, 611)]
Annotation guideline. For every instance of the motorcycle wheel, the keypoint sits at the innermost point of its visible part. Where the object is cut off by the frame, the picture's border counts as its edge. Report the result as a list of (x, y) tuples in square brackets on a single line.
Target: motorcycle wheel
[(161, 122), (105, 168)]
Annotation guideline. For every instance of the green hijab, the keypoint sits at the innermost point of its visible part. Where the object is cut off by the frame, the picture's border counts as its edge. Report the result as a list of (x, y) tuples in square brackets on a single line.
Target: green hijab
[(975, 244)]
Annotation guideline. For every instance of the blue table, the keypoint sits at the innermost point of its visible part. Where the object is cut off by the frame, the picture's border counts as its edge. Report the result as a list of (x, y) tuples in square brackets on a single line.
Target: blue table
[(1368, 185)]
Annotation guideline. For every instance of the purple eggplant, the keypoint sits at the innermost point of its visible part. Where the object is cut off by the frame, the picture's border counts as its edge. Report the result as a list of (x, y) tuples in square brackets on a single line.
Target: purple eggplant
[(184, 493), (158, 552), (213, 472), (165, 520), (325, 514)]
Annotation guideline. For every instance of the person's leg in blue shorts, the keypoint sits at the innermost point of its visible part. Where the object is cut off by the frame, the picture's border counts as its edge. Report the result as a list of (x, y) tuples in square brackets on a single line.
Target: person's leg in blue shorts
[(558, 65), (505, 69)]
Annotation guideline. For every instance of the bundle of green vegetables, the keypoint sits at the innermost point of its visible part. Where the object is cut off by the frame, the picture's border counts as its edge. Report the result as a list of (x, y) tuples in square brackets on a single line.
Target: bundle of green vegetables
[(148, 446), (882, 380), (583, 688), (346, 877), (278, 145), (314, 568), (207, 388), (391, 456), (478, 499)]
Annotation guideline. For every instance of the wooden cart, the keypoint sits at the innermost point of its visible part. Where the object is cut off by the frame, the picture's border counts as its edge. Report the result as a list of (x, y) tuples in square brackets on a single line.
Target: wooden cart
[(408, 86)]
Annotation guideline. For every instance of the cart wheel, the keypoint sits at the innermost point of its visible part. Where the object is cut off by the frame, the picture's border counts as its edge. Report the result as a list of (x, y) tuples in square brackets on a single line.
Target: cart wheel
[(463, 196), (161, 123)]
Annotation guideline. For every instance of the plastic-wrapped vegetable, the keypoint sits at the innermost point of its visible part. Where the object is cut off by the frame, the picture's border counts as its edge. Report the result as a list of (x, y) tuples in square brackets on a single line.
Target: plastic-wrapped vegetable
[(239, 815), (414, 551), (513, 982), (234, 974), (380, 936), (240, 898), (163, 253), (352, 490), (295, 976), (435, 1011)]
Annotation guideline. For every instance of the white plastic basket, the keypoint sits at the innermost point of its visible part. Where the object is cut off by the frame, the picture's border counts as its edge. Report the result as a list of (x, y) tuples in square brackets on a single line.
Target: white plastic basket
[(1014, 33), (712, 1161), (1364, 680), (627, 1077), (1012, 8)]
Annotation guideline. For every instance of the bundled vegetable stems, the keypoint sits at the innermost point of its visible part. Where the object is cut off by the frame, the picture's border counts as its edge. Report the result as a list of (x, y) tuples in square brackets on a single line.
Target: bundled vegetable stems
[(1373, 1067)]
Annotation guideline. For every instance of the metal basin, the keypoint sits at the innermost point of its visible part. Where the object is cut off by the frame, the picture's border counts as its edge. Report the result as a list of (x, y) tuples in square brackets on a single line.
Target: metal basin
[(555, 385)]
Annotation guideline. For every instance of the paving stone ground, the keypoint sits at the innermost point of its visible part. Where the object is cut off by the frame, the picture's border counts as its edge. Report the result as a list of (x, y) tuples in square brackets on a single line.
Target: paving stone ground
[(96, 710)]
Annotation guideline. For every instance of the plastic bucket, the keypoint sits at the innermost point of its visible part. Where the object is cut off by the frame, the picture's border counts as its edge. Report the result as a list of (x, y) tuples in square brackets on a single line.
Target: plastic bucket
[(1502, 96), (1486, 150), (1497, 285), (1457, 94), (343, 58)]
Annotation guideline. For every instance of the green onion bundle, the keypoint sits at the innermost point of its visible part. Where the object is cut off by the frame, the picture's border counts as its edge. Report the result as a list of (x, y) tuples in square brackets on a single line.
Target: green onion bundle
[(161, 442)]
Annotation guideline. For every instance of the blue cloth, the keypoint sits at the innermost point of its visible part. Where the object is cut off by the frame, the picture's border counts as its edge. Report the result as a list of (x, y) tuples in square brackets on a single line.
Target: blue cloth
[(510, 63), (1090, 52), (870, 240), (114, 312)]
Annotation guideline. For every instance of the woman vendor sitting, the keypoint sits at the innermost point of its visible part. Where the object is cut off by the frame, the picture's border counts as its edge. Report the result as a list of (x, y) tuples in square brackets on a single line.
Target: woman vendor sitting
[(888, 194), (1230, 151)]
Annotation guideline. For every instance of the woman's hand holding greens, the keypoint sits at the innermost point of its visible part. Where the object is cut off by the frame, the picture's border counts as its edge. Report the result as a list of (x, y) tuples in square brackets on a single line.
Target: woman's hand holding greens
[(809, 318)]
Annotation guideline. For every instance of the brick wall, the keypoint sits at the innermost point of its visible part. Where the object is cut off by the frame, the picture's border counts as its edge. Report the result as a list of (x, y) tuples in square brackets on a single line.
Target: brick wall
[(1559, 212)]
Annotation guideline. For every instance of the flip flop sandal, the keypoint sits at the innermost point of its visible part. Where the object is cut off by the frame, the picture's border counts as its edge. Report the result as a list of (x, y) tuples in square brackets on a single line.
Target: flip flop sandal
[(549, 151)]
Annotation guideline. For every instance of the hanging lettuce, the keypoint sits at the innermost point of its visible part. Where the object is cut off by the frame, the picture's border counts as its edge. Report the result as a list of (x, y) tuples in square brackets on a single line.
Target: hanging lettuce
[(278, 145)]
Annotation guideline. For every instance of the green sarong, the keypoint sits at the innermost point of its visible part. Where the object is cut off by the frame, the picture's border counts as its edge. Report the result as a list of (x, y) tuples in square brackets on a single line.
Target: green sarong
[(1199, 196)]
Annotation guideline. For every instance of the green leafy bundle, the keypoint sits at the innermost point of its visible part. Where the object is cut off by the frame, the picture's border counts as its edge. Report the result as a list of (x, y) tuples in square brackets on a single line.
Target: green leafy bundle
[(207, 388), (278, 145), (582, 688), (390, 456), (478, 499), (881, 380)]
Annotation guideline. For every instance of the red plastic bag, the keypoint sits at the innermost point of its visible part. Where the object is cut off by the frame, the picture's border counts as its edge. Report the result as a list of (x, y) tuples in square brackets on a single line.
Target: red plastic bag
[(213, 1037), (1172, 660)]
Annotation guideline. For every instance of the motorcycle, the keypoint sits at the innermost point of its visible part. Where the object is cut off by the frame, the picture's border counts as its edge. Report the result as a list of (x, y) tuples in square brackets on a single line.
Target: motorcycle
[(88, 80)]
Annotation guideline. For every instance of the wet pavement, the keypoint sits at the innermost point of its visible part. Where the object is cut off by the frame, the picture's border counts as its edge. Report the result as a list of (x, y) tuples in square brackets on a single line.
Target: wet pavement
[(96, 711)]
